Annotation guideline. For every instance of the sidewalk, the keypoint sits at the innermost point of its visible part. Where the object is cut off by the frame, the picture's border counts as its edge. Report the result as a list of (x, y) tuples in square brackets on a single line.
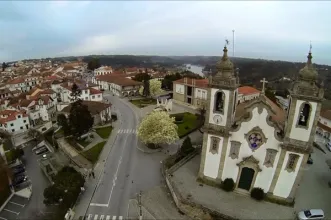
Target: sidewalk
[(84, 200)]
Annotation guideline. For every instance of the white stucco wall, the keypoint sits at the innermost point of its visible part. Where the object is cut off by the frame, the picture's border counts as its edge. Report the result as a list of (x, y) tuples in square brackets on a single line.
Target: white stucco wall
[(302, 134), (179, 88), (226, 106), (212, 161), (231, 169), (200, 93), (286, 179)]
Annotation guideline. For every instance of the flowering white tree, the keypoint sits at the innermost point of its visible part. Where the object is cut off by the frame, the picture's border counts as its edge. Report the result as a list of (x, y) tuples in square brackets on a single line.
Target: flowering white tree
[(154, 87), (158, 128)]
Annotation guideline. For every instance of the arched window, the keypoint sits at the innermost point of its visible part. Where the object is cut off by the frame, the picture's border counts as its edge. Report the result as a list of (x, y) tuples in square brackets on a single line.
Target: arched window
[(304, 114), (219, 102)]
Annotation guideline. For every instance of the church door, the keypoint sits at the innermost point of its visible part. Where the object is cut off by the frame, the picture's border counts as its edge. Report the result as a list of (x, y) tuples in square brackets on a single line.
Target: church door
[(246, 178)]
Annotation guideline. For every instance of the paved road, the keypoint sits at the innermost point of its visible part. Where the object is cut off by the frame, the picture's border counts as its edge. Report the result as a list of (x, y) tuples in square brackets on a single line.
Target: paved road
[(126, 171)]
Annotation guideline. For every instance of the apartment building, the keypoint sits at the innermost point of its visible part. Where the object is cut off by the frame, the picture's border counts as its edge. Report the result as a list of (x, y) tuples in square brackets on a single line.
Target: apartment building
[(14, 121)]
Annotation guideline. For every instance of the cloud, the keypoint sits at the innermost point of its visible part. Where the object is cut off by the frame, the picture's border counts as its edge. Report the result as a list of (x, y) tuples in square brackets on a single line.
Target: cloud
[(264, 29)]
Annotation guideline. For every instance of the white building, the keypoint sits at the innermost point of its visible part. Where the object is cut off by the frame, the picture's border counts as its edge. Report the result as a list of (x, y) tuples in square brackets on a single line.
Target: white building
[(324, 125), (256, 143), (14, 121), (88, 92), (103, 70)]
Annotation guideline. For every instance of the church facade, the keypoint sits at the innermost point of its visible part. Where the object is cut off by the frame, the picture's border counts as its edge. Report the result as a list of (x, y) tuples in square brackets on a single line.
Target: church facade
[(256, 143)]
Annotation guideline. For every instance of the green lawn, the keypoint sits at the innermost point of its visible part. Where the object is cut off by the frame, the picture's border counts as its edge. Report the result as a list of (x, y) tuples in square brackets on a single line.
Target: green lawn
[(93, 153), (190, 122), (104, 132), (9, 156), (141, 103), (83, 142)]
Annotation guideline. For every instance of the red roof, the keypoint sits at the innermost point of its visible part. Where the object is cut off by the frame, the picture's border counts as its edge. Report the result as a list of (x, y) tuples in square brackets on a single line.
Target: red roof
[(94, 91), (247, 90), (16, 81), (11, 115)]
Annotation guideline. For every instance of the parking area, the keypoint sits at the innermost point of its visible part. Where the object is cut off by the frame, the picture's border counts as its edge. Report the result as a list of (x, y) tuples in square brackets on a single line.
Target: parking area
[(14, 208)]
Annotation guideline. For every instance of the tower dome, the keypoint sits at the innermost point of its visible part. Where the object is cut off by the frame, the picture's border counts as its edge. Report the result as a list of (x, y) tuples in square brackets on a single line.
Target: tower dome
[(225, 63), (308, 73)]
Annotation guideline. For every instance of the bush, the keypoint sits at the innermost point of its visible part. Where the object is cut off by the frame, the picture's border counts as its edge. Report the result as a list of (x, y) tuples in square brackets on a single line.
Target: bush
[(179, 118), (114, 117), (228, 184), (257, 193)]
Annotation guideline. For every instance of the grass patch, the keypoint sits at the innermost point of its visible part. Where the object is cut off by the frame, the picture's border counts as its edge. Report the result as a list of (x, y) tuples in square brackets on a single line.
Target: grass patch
[(93, 153), (9, 156), (189, 123), (141, 103), (104, 132), (60, 131), (7, 145)]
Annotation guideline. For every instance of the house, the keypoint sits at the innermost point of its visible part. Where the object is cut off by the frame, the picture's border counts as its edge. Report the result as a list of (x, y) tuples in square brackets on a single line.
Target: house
[(103, 70), (324, 125), (256, 143), (88, 92), (118, 85), (101, 112), (14, 121)]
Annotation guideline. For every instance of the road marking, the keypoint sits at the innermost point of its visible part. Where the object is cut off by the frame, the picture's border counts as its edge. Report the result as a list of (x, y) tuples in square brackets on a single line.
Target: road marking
[(3, 218), (17, 213), (114, 217), (95, 217), (89, 217), (101, 217), (17, 204), (99, 204), (108, 217), (120, 217)]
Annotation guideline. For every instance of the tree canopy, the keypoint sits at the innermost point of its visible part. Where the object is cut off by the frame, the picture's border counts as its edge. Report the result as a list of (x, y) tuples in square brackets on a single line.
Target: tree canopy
[(151, 88), (75, 92), (80, 119), (63, 122), (93, 64), (158, 128), (141, 77), (4, 65)]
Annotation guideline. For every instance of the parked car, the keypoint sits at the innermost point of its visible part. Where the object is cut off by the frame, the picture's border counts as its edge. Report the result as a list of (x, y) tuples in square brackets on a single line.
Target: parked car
[(311, 214), (328, 146), (19, 166), (19, 179), (41, 150), (38, 147), (18, 170)]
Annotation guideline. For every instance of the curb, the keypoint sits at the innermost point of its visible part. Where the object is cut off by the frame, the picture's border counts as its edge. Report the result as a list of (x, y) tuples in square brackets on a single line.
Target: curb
[(5, 203)]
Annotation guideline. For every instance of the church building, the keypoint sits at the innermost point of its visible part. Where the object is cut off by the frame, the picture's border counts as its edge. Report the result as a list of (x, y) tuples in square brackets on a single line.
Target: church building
[(257, 143)]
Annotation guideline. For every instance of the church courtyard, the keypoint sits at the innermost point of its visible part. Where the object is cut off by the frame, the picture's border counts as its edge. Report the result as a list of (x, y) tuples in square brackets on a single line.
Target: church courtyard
[(313, 193)]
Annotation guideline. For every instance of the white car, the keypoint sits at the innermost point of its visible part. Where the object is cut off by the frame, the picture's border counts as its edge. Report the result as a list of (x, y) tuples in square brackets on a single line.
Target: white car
[(328, 146), (311, 214)]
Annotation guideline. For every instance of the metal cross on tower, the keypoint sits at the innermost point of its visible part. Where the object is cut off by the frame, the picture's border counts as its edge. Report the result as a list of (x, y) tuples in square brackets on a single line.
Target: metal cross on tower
[(263, 81)]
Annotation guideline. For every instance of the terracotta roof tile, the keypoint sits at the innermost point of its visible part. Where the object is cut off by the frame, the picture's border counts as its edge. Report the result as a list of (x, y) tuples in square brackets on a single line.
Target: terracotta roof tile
[(326, 114), (95, 91), (247, 90), (93, 107), (324, 127), (119, 80)]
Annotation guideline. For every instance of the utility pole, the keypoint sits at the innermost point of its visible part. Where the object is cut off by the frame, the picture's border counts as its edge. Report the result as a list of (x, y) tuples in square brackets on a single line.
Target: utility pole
[(139, 204), (232, 43)]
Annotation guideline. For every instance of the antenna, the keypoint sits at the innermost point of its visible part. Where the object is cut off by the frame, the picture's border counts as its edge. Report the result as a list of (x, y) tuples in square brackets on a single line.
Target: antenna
[(232, 43)]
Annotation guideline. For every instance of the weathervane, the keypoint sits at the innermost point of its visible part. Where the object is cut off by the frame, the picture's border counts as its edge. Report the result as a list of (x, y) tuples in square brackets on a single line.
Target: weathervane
[(226, 42), (310, 47)]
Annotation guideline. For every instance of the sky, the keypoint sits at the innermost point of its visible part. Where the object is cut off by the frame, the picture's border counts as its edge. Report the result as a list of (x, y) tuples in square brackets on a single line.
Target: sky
[(263, 29)]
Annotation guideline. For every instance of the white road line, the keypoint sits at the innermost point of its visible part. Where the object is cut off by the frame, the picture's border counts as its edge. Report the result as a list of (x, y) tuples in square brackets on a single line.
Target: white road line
[(17, 204), (89, 217), (114, 217), (95, 217), (101, 217), (99, 204), (17, 213), (108, 217), (120, 217), (3, 218)]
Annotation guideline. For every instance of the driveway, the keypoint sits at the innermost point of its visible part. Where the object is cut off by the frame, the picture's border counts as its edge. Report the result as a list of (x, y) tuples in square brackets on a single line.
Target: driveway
[(314, 191)]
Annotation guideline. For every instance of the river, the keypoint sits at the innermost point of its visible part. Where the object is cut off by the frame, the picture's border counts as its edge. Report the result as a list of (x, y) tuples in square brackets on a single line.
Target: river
[(195, 69)]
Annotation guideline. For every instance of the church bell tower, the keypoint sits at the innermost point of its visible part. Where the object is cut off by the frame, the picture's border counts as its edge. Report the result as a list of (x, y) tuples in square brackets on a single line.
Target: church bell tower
[(222, 95), (304, 108)]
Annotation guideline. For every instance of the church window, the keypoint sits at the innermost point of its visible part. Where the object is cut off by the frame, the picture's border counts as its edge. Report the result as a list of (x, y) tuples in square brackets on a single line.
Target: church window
[(292, 162), (270, 157), (234, 149), (304, 115), (214, 145), (255, 138), (219, 102)]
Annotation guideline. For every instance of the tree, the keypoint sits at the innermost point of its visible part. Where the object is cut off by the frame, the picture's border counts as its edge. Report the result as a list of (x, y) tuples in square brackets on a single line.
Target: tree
[(66, 188), (141, 77), (35, 134), (158, 128), (4, 65), (151, 88), (75, 92), (93, 64), (80, 119), (186, 147), (63, 122)]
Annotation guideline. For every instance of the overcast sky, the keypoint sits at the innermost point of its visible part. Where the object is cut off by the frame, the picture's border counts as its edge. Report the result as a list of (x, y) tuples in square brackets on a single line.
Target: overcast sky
[(263, 29)]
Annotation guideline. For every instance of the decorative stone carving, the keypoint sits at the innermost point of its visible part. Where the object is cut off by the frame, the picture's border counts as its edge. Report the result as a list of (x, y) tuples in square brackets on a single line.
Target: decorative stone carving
[(234, 149), (270, 157), (292, 162), (214, 145), (255, 138), (250, 162)]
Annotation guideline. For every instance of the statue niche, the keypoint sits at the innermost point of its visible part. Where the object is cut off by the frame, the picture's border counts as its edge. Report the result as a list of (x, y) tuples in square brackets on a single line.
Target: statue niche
[(219, 102)]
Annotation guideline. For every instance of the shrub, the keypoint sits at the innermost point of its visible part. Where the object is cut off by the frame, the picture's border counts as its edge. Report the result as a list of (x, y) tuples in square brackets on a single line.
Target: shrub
[(179, 118), (187, 127), (257, 193), (114, 117), (228, 184)]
